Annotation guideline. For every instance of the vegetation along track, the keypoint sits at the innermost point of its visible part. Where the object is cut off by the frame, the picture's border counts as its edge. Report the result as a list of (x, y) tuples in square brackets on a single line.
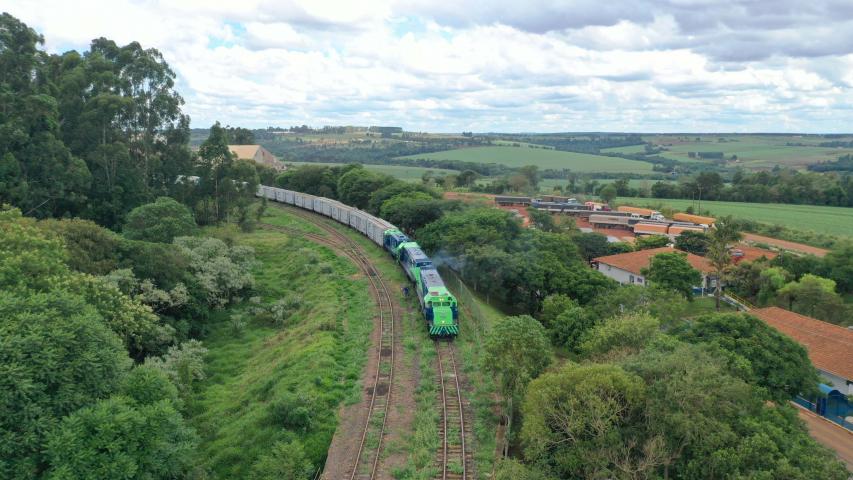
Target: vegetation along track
[(454, 460), (367, 459)]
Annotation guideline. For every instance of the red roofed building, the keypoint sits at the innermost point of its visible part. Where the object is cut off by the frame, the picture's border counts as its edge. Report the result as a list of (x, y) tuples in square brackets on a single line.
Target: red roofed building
[(626, 268), (830, 347)]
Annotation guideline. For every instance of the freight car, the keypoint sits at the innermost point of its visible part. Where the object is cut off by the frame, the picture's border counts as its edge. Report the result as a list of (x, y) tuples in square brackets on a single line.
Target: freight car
[(438, 306)]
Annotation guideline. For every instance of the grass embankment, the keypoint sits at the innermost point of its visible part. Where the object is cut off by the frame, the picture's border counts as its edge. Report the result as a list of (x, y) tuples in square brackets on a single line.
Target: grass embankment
[(543, 158), (271, 383), (820, 219)]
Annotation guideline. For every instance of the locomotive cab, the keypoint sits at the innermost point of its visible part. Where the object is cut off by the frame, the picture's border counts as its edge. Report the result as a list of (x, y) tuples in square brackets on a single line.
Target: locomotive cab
[(392, 239)]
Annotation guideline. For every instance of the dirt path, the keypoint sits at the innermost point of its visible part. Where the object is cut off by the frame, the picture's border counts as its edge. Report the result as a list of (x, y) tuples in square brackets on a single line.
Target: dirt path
[(834, 437), (785, 245)]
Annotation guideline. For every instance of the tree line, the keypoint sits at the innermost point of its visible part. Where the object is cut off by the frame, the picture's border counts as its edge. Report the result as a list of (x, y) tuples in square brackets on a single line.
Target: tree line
[(94, 135), (778, 186)]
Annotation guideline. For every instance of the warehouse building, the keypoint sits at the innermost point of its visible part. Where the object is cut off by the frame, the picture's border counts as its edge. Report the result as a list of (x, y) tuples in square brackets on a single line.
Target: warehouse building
[(626, 268), (258, 154)]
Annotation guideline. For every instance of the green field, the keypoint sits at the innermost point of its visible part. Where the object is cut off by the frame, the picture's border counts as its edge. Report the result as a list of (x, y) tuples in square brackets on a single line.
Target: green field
[(628, 149), (520, 156), (402, 172), (753, 151), (831, 220)]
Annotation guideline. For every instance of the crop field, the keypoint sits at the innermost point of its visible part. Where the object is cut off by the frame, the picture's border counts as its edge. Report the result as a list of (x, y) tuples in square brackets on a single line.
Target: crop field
[(543, 158), (753, 151), (402, 172), (830, 220)]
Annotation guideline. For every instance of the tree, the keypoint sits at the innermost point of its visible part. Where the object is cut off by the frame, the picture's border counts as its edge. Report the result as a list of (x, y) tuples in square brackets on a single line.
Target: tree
[(120, 438), (542, 220), (623, 334), (412, 211), (91, 248), (708, 424), (516, 351), (647, 242), (673, 271), (814, 296), (221, 272), (240, 136), (56, 355), (607, 193), (225, 184), (573, 419), (160, 221), (693, 242), (839, 265), (356, 186), (531, 173), (285, 461), (777, 364), (30, 259), (592, 245), (724, 233), (183, 364), (565, 320), (395, 189)]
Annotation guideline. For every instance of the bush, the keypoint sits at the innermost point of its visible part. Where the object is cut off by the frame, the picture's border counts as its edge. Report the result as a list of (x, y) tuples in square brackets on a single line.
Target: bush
[(160, 221)]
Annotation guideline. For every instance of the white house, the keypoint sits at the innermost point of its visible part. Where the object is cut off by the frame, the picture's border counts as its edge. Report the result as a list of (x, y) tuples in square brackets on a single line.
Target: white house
[(626, 268)]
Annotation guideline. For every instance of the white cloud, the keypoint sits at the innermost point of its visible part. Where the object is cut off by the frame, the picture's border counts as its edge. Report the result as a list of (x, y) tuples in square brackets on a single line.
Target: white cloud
[(651, 65)]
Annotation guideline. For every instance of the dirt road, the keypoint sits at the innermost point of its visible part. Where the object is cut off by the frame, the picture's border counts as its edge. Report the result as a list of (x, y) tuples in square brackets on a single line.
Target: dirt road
[(834, 437)]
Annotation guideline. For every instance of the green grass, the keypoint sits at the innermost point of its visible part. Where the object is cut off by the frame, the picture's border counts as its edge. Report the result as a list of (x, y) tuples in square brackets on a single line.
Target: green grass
[(705, 305), (401, 172), (316, 357), (629, 149), (543, 158), (753, 151), (820, 219)]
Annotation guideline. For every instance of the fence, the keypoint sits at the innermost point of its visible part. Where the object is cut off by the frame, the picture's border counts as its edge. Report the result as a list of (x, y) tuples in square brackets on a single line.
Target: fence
[(833, 406)]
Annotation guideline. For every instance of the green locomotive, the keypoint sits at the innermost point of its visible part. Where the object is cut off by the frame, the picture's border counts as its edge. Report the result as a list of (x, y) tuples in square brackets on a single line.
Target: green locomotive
[(438, 305)]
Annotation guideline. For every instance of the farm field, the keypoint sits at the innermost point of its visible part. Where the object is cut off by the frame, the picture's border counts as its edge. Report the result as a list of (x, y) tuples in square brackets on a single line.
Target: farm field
[(628, 149), (543, 158), (753, 151), (830, 220), (402, 172)]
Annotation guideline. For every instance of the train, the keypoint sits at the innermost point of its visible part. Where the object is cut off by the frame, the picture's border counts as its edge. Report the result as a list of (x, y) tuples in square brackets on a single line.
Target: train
[(438, 305)]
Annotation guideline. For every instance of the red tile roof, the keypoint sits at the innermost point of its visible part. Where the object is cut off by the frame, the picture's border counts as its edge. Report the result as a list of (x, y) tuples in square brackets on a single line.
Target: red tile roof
[(830, 347), (634, 261)]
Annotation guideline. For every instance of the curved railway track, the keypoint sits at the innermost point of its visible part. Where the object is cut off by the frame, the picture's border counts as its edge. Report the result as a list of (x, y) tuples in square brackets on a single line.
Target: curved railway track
[(370, 447), (454, 460)]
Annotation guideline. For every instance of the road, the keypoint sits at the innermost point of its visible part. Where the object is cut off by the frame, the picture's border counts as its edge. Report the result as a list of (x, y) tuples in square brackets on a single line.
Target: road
[(830, 435)]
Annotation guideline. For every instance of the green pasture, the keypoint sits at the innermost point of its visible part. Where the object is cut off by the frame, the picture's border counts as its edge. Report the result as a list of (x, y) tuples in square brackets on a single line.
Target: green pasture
[(543, 158), (629, 149), (753, 151), (820, 219)]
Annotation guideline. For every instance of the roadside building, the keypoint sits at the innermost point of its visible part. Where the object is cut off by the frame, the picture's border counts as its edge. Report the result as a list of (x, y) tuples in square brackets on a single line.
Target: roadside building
[(830, 347), (626, 268), (258, 154)]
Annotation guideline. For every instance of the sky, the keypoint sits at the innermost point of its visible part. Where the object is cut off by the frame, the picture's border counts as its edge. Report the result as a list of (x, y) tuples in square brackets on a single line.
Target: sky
[(487, 66)]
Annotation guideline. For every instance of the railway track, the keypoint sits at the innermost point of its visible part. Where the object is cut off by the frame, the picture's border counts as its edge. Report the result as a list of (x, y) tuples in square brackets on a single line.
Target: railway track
[(370, 447), (454, 461)]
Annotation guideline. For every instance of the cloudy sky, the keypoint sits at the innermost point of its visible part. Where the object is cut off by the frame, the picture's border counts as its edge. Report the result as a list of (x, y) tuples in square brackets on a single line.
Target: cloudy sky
[(570, 65)]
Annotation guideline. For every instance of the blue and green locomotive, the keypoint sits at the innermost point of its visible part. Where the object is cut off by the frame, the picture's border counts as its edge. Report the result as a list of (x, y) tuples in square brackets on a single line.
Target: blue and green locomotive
[(438, 305)]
